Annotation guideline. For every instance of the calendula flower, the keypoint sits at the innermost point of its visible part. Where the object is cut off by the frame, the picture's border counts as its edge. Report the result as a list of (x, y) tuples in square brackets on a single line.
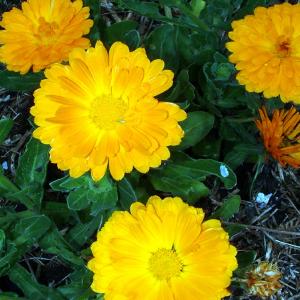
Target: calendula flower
[(266, 50), (99, 112), (263, 279), (281, 135), (162, 250), (43, 32)]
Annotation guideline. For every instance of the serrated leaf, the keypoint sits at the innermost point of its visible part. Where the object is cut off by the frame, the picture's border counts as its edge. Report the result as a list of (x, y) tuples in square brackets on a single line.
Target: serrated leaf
[(32, 168), (30, 287), (230, 207), (5, 127), (103, 200), (14, 81), (196, 127)]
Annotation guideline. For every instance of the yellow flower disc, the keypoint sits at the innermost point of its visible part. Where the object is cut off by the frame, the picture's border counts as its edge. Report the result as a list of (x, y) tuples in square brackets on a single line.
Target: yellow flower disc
[(99, 112), (266, 50), (43, 32), (162, 250)]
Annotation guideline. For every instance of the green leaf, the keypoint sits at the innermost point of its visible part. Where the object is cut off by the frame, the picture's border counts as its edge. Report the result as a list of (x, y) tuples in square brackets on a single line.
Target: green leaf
[(32, 168), (124, 31), (230, 207), (68, 183), (127, 194), (187, 188), (30, 287), (11, 256), (196, 127), (197, 6), (103, 200), (20, 83), (246, 258), (181, 164), (5, 127), (240, 153), (82, 232), (2, 240), (32, 228), (53, 242), (78, 199), (183, 90)]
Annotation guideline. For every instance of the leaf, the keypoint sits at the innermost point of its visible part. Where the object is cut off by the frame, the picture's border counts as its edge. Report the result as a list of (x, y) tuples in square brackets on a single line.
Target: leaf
[(187, 188), (246, 258), (80, 233), (68, 183), (124, 31), (196, 127), (30, 287), (78, 199), (127, 194), (53, 242), (181, 164), (5, 127), (32, 228), (31, 171), (183, 90), (2, 240), (14, 81), (230, 207)]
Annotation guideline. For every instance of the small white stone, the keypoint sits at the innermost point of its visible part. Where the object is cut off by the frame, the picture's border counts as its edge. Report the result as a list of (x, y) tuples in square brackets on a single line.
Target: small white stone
[(224, 171), (263, 199)]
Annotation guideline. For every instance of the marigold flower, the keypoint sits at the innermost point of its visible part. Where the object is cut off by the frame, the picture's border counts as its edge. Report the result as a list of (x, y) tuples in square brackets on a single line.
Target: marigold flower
[(266, 50), (281, 135), (162, 250), (43, 32), (263, 279), (99, 112)]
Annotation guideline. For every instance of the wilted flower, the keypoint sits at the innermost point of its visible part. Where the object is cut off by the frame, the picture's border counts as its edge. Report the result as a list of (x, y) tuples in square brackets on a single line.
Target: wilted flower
[(162, 250), (263, 279), (43, 32), (100, 113), (281, 135), (266, 50)]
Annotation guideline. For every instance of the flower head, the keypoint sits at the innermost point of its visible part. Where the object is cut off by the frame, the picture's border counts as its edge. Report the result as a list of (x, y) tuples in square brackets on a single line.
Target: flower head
[(281, 135), (266, 50), (162, 250), (263, 280), (99, 112), (43, 32)]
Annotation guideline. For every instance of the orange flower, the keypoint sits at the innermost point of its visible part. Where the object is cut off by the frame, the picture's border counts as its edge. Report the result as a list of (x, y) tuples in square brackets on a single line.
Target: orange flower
[(281, 135), (42, 32)]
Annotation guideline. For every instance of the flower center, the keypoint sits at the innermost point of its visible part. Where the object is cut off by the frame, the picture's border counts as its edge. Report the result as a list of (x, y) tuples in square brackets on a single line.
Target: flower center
[(165, 264), (283, 47), (107, 112), (46, 31)]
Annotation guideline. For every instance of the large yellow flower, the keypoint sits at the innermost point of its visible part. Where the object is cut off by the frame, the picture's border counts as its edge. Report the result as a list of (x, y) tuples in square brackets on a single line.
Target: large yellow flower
[(43, 32), (280, 135), (266, 50), (99, 112), (162, 250)]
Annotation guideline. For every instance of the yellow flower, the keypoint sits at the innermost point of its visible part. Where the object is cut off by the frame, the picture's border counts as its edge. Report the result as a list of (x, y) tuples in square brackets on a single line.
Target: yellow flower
[(266, 50), (99, 112), (43, 32), (281, 135), (162, 250), (263, 279)]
